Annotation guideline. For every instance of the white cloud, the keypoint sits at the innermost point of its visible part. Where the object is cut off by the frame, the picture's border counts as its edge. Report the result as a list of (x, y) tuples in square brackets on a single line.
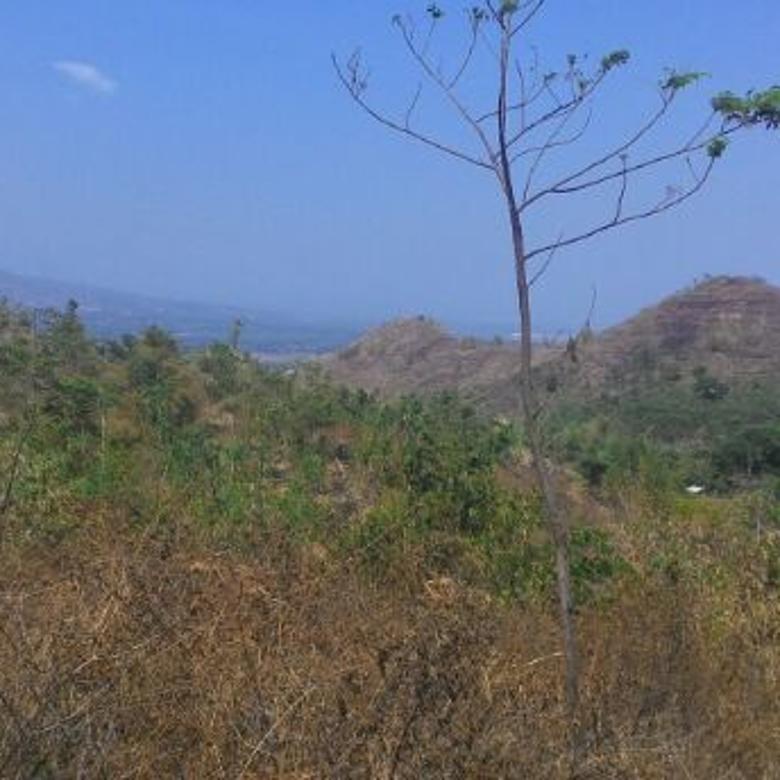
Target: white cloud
[(85, 75)]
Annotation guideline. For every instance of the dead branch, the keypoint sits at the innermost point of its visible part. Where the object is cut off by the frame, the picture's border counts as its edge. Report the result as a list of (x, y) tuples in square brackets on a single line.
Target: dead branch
[(420, 58), (618, 220), (356, 89)]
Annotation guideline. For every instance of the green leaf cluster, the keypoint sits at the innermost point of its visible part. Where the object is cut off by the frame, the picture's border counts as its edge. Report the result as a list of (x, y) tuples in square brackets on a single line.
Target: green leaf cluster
[(756, 108), (676, 80), (717, 147), (435, 12), (615, 59)]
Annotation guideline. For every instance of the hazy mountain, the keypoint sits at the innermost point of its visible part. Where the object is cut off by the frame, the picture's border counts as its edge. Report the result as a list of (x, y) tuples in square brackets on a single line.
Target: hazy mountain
[(109, 314)]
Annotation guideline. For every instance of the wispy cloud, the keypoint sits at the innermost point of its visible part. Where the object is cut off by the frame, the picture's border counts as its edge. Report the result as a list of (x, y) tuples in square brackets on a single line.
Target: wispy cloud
[(86, 76)]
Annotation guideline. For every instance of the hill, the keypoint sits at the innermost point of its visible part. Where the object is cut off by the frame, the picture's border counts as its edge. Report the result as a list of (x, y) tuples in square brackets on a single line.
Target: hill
[(111, 314), (728, 326), (418, 356), (694, 379), (212, 569)]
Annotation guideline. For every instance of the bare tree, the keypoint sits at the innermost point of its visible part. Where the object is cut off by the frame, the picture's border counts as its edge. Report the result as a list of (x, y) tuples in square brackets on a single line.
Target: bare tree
[(534, 116)]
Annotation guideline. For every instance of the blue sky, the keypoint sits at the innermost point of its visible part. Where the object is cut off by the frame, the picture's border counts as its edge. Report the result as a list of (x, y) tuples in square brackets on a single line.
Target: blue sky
[(204, 150)]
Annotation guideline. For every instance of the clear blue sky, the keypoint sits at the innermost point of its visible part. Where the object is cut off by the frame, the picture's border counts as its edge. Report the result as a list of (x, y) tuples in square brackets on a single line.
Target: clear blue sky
[(203, 149)]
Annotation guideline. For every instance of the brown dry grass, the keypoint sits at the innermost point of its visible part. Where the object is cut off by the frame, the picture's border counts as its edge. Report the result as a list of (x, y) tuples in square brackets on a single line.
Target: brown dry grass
[(127, 655)]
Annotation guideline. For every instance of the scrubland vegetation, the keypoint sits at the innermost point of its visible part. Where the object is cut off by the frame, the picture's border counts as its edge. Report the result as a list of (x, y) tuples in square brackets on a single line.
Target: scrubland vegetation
[(691, 430), (212, 569)]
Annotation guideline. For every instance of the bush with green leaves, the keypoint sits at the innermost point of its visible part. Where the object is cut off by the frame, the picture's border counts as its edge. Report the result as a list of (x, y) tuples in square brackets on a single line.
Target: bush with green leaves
[(236, 450), (703, 429)]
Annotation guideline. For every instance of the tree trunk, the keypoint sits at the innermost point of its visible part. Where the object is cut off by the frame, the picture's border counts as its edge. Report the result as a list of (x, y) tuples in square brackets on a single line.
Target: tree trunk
[(554, 516), (556, 521)]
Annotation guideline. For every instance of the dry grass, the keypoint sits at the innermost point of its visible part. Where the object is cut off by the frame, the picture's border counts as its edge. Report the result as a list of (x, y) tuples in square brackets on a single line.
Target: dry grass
[(137, 656)]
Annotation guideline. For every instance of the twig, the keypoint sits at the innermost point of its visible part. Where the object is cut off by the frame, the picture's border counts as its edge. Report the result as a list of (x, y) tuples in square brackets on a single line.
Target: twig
[(268, 734), (547, 262), (613, 223), (355, 92)]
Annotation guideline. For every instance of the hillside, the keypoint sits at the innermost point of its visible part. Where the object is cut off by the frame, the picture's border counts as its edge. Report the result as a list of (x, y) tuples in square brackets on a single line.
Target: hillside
[(111, 314), (417, 356), (729, 326), (211, 569)]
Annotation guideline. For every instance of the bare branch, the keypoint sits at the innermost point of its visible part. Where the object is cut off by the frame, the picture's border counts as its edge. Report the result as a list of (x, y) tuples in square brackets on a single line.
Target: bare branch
[(552, 142), (493, 11), (556, 189), (475, 26), (502, 114), (528, 18), (623, 188), (553, 94), (689, 163), (537, 88), (547, 262), (572, 139), (489, 45), (357, 95), (448, 92), (619, 150), (554, 113), (428, 38), (523, 104), (412, 106), (523, 93), (618, 220)]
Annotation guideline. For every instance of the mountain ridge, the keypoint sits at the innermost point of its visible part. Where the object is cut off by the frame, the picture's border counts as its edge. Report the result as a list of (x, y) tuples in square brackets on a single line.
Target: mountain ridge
[(111, 313), (728, 326)]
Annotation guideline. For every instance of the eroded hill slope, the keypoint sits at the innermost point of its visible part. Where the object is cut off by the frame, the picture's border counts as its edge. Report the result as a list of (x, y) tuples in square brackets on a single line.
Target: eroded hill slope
[(417, 356), (726, 327)]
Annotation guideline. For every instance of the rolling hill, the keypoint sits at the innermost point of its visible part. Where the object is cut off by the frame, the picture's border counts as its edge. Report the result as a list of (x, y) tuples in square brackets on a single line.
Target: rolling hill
[(418, 356), (728, 327)]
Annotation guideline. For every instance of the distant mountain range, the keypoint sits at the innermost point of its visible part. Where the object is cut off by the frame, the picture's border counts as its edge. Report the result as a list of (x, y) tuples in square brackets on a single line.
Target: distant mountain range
[(110, 314)]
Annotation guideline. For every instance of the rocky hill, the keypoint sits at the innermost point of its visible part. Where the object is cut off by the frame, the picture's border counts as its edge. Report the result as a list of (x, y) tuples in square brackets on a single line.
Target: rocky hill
[(729, 326), (726, 326), (417, 356)]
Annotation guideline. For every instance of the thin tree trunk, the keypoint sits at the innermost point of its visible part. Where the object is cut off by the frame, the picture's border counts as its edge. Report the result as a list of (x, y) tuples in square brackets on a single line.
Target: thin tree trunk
[(554, 515)]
